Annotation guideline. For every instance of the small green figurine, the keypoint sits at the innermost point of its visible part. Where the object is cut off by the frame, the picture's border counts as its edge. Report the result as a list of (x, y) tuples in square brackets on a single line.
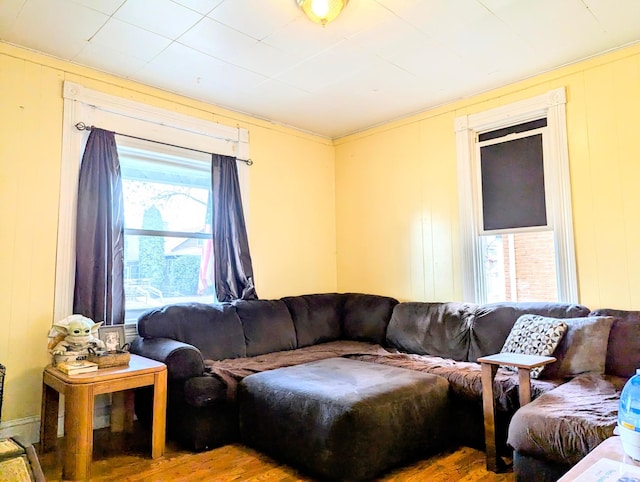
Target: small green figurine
[(73, 336)]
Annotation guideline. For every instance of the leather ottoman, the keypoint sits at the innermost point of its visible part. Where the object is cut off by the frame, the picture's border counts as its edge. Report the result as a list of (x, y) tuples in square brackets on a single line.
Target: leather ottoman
[(342, 419)]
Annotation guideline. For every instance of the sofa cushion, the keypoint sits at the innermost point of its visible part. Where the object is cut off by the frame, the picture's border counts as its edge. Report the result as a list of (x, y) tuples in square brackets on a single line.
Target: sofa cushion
[(583, 349), (493, 322), (316, 317), (438, 329), (534, 335), (366, 317), (552, 428), (215, 330), (268, 326), (623, 352)]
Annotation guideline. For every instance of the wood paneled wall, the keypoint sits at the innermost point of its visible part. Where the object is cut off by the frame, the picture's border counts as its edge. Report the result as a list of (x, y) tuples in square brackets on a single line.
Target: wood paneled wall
[(397, 192)]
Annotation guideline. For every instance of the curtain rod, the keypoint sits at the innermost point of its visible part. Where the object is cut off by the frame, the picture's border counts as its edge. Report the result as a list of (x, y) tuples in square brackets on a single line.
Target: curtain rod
[(81, 126)]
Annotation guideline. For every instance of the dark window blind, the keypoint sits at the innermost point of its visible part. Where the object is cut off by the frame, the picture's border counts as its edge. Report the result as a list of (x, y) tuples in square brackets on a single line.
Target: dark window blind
[(513, 193), (505, 131)]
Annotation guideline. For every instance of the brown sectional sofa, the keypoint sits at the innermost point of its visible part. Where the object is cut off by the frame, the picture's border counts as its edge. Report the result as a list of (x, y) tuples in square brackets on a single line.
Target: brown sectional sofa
[(210, 349), (556, 430)]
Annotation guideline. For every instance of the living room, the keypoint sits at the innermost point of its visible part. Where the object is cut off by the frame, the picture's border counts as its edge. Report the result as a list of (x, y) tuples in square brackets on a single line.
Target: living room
[(316, 201)]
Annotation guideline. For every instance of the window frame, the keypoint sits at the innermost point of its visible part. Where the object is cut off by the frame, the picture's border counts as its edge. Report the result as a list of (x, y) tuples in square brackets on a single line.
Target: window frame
[(92, 107), (551, 105)]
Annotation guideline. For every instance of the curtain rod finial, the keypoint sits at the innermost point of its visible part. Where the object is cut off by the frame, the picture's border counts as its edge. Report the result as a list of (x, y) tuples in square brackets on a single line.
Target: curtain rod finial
[(81, 126)]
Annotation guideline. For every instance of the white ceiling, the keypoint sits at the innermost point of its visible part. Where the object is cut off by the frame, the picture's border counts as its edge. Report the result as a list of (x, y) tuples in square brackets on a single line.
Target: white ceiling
[(380, 60)]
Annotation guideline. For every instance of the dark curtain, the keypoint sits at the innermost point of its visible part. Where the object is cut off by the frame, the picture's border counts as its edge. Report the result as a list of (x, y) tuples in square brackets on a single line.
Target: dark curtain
[(99, 287), (231, 259)]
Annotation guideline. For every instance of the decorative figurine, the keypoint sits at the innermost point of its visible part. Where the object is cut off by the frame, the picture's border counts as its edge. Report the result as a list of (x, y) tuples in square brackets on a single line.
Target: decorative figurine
[(72, 337)]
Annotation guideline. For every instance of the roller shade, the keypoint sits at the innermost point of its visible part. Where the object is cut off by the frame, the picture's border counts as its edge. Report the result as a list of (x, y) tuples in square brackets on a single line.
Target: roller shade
[(513, 190)]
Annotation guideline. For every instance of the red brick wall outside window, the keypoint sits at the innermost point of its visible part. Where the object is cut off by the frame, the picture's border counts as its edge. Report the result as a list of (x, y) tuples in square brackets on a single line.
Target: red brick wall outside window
[(522, 267)]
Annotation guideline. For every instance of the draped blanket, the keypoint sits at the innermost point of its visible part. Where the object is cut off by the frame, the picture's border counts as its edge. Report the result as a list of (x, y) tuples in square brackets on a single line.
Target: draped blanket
[(565, 425), (232, 370), (465, 378)]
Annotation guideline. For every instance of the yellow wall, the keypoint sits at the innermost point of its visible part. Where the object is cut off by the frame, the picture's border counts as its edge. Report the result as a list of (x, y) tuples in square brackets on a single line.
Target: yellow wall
[(385, 199), (291, 208), (396, 207), (397, 197)]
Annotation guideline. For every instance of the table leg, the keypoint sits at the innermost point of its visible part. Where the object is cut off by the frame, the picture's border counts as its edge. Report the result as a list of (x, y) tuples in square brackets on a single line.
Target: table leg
[(122, 408), (78, 432), (524, 390), (159, 414), (494, 462), (116, 421), (129, 409), (49, 418)]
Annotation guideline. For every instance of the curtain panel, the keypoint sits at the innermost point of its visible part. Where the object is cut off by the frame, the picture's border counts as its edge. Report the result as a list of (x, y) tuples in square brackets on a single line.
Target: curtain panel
[(231, 257), (99, 285)]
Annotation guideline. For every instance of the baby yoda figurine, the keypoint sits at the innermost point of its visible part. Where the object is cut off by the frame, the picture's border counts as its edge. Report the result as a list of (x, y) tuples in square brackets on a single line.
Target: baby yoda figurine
[(73, 337)]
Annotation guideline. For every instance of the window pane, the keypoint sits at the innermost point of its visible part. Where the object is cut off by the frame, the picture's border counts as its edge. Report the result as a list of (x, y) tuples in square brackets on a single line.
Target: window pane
[(161, 270), (166, 191), (161, 206), (520, 267)]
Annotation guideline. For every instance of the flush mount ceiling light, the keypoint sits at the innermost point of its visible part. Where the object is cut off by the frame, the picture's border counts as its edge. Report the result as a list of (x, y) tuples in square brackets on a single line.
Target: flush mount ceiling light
[(322, 11)]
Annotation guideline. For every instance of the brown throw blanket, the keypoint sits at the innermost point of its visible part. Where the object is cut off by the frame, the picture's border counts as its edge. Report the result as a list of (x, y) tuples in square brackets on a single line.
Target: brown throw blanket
[(231, 371), (465, 378)]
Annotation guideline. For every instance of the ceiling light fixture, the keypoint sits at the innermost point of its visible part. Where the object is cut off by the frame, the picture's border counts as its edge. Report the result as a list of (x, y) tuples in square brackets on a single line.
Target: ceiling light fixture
[(322, 11)]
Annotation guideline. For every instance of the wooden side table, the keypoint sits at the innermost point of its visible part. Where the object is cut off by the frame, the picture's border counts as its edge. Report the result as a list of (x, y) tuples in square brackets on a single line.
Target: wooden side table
[(79, 392), (489, 364)]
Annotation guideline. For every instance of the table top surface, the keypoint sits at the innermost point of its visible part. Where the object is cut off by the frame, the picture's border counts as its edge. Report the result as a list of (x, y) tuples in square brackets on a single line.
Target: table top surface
[(517, 360), (611, 448), (138, 365)]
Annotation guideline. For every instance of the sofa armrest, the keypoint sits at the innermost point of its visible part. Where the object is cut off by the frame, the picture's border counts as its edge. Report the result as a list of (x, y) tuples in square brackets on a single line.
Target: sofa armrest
[(205, 391), (183, 360)]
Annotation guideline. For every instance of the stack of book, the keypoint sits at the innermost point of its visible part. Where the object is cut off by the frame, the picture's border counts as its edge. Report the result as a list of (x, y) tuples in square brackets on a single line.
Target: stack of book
[(77, 366)]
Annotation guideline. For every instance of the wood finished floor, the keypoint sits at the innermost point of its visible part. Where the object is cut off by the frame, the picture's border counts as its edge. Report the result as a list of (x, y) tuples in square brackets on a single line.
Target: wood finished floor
[(124, 457)]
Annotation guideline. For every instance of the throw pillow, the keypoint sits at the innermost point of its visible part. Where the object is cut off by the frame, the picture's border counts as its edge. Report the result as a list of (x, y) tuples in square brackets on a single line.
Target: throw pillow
[(583, 349), (534, 335)]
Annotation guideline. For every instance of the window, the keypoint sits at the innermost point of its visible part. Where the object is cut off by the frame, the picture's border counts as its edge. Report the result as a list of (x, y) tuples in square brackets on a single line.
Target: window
[(168, 251), (515, 203), (91, 107)]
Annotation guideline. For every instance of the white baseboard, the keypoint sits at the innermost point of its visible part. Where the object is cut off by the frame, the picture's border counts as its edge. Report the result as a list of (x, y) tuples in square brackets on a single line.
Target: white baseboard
[(28, 429)]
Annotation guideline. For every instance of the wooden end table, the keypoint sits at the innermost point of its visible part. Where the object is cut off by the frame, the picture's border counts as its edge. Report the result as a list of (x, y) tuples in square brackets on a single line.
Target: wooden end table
[(79, 392), (489, 364)]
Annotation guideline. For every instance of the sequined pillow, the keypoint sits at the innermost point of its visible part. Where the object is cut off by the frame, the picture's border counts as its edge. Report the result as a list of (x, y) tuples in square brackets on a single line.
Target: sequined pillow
[(534, 335)]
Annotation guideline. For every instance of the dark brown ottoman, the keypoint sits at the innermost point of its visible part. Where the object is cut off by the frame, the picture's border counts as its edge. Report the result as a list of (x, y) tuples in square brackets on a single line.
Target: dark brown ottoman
[(342, 419)]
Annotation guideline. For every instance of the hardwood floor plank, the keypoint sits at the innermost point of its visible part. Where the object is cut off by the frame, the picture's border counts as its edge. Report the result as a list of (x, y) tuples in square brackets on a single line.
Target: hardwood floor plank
[(126, 457)]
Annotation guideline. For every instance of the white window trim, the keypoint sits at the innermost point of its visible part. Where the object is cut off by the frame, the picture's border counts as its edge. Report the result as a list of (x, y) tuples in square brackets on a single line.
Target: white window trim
[(121, 115), (551, 105)]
